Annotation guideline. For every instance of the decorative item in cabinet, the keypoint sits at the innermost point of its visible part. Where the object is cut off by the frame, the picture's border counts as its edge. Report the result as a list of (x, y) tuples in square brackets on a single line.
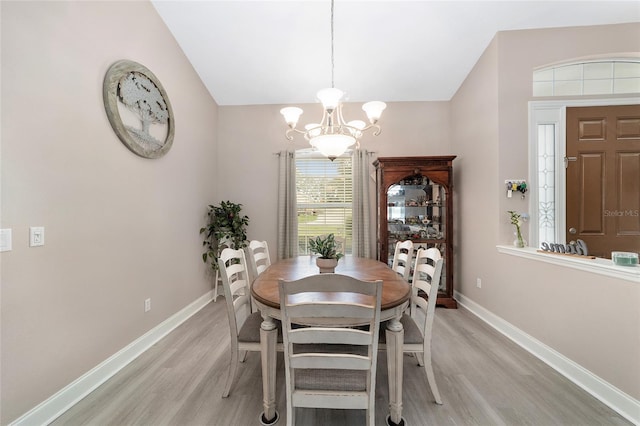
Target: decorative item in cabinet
[(415, 202)]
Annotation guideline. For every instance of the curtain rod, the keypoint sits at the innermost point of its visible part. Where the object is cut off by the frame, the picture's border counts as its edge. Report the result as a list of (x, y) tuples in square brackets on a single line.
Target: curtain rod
[(290, 152)]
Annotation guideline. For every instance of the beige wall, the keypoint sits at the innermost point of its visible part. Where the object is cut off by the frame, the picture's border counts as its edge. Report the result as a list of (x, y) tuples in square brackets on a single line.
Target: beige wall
[(118, 228), (251, 135), (593, 320)]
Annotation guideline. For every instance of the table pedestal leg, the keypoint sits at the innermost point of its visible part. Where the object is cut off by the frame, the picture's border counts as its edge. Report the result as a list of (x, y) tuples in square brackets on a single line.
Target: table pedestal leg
[(395, 341), (268, 339)]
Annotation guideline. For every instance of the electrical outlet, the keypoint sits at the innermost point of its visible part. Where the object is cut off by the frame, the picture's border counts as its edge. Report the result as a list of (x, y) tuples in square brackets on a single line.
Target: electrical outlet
[(478, 283), (147, 305)]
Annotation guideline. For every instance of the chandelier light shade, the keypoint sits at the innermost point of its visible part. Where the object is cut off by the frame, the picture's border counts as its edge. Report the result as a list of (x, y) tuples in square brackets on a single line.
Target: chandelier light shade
[(333, 135)]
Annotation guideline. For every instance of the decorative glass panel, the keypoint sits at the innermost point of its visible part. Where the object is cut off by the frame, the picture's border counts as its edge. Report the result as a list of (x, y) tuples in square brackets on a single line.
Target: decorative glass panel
[(543, 88), (543, 75), (569, 72), (626, 69), (567, 88), (546, 182), (626, 85), (597, 87), (598, 70)]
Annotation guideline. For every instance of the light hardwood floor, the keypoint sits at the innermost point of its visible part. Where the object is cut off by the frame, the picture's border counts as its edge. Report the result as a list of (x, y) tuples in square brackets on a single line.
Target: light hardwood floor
[(484, 379)]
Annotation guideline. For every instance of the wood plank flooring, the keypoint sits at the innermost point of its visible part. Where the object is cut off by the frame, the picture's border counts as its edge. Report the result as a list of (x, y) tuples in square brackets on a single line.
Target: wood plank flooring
[(484, 379)]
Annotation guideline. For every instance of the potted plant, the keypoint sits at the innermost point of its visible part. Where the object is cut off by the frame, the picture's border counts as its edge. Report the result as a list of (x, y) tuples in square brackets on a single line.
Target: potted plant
[(226, 227), (325, 247), (515, 220)]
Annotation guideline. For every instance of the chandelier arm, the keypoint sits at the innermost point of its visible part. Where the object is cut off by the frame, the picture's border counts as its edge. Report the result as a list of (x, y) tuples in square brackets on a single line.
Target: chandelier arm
[(341, 120), (367, 127), (289, 133), (324, 122)]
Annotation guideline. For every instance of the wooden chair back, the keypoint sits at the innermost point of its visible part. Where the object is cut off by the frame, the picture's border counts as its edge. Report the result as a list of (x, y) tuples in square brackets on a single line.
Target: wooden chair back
[(244, 324), (330, 327), (259, 259), (403, 258), (426, 279)]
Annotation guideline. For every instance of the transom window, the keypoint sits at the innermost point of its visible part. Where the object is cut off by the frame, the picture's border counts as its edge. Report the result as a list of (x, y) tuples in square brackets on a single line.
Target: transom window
[(588, 78)]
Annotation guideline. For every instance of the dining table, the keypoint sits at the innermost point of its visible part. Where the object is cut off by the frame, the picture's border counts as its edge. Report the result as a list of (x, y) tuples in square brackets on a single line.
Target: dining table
[(396, 293)]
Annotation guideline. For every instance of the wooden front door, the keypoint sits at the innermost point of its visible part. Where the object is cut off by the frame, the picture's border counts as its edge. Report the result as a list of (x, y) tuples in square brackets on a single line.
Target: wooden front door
[(603, 178)]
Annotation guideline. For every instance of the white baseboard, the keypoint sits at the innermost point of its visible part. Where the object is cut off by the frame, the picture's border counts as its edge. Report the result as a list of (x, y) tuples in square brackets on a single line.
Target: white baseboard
[(54, 406), (617, 400)]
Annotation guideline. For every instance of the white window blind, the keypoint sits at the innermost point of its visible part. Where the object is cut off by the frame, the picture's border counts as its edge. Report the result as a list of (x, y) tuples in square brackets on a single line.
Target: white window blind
[(324, 199)]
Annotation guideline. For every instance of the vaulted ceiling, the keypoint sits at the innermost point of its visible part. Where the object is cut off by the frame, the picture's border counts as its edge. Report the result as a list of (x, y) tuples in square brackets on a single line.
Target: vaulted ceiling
[(279, 52)]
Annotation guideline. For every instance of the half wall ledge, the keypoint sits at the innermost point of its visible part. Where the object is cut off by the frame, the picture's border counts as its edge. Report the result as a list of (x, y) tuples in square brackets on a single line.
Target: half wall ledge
[(597, 266)]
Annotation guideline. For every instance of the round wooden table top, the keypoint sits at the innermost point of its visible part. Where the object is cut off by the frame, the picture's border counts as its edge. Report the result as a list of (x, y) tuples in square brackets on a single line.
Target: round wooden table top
[(395, 290)]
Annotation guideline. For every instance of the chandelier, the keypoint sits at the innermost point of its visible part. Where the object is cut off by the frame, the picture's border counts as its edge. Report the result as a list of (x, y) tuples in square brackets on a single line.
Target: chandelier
[(333, 135)]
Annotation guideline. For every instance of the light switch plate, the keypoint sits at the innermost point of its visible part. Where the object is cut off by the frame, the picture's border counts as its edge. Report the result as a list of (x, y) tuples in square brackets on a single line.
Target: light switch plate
[(5, 240), (36, 236)]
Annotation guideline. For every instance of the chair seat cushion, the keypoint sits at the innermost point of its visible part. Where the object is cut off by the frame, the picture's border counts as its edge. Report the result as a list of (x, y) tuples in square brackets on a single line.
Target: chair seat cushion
[(339, 380), (250, 330), (412, 334)]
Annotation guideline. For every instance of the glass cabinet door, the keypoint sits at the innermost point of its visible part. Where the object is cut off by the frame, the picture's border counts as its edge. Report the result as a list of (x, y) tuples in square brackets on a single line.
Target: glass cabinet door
[(416, 211)]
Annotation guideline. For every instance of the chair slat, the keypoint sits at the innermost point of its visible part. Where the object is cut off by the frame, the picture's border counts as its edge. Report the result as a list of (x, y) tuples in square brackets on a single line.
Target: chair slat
[(320, 399), (330, 335), (329, 309), (330, 361)]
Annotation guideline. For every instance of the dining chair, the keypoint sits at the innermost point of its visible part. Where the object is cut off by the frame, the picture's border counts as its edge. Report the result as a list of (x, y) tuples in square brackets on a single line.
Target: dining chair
[(402, 258), (417, 339), (329, 363), (259, 259), (244, 325)]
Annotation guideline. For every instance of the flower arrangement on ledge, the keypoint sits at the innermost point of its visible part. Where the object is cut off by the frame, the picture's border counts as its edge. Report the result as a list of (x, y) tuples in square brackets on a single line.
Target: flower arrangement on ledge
[(516, 220)]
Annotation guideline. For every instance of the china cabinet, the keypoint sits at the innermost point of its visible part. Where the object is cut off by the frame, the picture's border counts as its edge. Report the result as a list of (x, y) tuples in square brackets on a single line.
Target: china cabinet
[(414, 197)]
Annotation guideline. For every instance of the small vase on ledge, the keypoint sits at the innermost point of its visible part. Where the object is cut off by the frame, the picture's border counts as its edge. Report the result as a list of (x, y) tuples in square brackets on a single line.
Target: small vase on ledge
[(519, 241), (515, 221)]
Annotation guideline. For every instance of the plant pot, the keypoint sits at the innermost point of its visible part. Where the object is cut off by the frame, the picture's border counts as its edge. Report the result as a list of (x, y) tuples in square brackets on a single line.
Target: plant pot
[(327, 266)]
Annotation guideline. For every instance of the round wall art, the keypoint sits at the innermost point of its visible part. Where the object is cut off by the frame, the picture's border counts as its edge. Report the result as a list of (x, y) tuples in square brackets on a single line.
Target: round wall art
[(138, 109)]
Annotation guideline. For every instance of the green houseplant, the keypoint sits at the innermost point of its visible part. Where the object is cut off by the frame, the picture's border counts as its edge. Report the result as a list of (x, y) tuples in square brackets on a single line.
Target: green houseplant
[(326, 248), (515, 220), (226, 227)]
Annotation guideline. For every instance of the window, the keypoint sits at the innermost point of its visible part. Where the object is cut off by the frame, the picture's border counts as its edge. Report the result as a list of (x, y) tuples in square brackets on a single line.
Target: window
[(324, 199), (588, 78)]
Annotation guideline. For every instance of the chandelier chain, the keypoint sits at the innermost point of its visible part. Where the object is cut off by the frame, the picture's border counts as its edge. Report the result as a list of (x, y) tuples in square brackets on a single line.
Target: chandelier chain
[(332, 58)]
